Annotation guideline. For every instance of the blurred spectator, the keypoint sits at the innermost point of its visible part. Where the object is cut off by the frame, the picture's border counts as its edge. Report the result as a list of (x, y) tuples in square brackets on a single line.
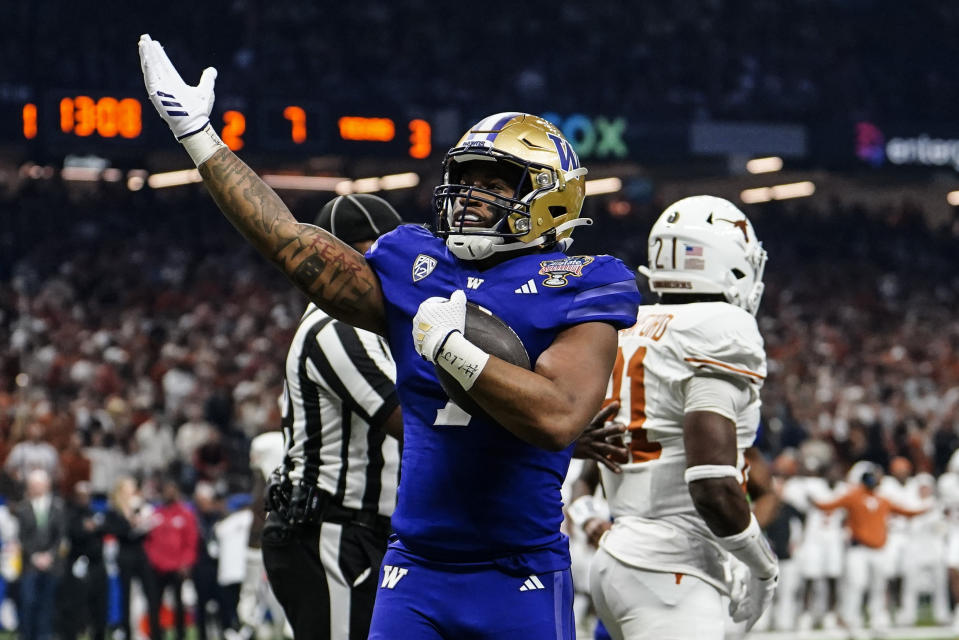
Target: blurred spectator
[(83, 599), (156, 451), (10, 564), (171, 547), (129, 519), (108, 462), (257, 601), (232, 534), (32, 453), (208, 511), (74, 465), (948, 486), (210, 460), (190, 436), (43, 529)]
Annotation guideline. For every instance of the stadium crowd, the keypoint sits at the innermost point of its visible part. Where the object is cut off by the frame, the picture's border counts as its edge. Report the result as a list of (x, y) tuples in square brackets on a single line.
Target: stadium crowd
[(144, 342), (796, 60)]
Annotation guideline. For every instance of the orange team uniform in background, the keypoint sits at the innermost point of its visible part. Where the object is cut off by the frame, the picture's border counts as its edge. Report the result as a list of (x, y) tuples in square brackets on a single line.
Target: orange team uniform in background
[(867, 515)]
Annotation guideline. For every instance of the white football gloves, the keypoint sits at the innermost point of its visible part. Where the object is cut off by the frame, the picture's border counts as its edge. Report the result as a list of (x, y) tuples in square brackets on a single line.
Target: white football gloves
[(755, 573), (435, 320), (750, 596), (438, 328), (185, 109)]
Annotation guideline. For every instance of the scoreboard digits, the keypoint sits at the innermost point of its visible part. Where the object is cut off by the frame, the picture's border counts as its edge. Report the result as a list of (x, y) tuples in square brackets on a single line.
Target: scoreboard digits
[(83, 120), (107, 117), (297, 117)]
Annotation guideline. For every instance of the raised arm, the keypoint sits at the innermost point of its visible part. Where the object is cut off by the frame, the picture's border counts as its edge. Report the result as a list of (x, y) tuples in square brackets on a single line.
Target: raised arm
[(333, 275)]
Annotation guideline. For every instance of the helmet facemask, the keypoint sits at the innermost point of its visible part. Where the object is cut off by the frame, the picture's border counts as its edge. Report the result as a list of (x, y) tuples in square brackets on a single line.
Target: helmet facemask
[(547, 182)]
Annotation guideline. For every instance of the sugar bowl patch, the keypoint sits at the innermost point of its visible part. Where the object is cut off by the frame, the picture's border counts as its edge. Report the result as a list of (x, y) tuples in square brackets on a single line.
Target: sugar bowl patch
[(558, 270)]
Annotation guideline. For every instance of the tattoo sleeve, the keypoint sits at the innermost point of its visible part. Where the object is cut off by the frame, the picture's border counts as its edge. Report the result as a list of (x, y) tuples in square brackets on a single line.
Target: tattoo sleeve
[(334, 276)]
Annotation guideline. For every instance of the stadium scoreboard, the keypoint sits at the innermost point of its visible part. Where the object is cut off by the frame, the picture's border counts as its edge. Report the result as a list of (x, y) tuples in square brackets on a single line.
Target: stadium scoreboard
[(72, 121)]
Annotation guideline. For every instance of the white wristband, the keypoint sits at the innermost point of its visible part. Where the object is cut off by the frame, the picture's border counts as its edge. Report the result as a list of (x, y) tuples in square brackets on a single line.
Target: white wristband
[(202, 144), (705, 471), (750, 546), (461, 359)]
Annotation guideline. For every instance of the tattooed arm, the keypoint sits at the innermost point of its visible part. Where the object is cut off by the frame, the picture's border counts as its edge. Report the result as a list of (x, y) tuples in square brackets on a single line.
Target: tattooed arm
[(332, 274)]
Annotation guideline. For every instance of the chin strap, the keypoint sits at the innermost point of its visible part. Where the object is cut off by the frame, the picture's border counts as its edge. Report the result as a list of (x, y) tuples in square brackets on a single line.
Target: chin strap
[(477, 246)]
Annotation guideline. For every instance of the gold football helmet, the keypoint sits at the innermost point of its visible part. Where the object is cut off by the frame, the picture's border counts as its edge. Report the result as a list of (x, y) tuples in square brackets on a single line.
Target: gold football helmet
[(550, 187)]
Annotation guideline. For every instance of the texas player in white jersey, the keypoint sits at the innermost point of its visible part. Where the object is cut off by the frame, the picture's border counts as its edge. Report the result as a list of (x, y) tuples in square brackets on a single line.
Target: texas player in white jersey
[(925, 549), (948, 485), (821, 554), (688, 376)]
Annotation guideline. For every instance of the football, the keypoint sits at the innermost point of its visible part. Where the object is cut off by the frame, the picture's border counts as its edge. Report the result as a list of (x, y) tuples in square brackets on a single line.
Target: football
[(493, 336)]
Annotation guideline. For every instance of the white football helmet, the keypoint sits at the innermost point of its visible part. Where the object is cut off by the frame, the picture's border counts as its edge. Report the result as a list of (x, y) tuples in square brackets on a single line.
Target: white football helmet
[(705, 244)]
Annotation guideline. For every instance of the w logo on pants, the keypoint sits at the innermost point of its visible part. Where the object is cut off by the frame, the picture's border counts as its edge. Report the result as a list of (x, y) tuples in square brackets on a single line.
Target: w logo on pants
[(392, 575)]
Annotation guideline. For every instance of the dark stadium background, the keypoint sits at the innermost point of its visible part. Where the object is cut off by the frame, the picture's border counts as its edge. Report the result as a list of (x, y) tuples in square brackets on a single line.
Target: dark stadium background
[(107, 284)]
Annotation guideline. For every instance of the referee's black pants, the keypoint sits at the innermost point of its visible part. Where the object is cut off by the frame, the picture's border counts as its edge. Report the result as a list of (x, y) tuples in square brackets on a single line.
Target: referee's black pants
[(325, 575)]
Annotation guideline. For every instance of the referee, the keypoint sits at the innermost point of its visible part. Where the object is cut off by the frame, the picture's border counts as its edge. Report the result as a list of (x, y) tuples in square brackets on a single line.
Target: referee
[(329, 503)]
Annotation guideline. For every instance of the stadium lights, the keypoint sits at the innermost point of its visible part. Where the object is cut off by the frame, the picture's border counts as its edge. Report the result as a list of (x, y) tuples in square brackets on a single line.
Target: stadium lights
[(603, 185), (953, 198), (778, 192), (362, 185), (173, 178), (81, 174), (342, 185), (386, 183), (764, 165), (399, 181), (303, 183), (136, 178)]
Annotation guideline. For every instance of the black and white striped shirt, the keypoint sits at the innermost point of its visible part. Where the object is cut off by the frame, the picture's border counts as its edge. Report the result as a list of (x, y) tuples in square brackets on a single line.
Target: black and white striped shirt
[(339, 391)]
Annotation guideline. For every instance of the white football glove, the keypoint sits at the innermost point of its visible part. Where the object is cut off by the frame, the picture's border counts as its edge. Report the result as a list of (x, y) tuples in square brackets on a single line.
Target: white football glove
[(750, 596), (184, 108), (435, 320)]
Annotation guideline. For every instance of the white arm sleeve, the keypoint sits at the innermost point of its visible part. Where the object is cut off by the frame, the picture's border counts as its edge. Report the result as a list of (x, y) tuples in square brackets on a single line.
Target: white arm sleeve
[(716, 394)]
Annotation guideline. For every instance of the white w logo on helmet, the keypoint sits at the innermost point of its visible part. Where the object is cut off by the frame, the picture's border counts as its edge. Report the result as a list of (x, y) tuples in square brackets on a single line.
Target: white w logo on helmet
[(705, 244)]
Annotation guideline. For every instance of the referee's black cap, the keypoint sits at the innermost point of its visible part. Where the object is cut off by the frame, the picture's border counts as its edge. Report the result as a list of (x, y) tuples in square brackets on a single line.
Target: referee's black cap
[(358, 217)]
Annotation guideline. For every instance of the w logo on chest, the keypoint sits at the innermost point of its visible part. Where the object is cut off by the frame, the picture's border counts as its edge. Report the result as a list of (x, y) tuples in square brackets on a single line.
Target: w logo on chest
[(473, 283)]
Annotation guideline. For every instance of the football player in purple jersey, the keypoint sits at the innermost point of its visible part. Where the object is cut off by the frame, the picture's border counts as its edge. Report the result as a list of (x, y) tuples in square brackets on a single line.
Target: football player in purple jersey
[(478, 550)]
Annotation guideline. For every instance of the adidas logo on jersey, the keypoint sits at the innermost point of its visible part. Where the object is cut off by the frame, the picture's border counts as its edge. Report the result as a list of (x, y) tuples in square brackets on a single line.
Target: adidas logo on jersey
[(392, 575), (529, 287), (532, 584)]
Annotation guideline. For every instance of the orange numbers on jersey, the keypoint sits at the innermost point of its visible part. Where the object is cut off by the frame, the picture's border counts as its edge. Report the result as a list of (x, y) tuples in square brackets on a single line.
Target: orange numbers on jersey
[(641, 449), (420, 139), (297, 117), (107, 117), (234, 127)]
